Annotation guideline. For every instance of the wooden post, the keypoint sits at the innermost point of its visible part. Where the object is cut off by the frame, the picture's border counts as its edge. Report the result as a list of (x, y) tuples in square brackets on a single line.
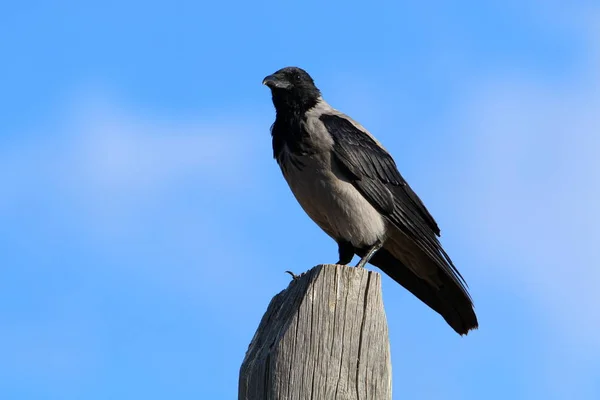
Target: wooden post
[(324, 337)]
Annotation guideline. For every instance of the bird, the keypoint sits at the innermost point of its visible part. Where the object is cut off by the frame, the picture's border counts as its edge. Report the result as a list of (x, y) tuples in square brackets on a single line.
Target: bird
[(350, 186)]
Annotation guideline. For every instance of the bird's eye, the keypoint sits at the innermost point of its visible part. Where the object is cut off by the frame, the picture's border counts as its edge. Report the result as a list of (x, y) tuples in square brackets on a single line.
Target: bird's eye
[(297, 78)]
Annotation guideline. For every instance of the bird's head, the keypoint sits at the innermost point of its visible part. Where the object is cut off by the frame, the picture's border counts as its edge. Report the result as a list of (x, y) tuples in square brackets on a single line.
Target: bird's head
[(292, 89)]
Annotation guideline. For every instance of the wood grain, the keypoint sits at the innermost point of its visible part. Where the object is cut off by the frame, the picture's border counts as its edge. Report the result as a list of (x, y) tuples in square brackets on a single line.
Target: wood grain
[(324, 337)]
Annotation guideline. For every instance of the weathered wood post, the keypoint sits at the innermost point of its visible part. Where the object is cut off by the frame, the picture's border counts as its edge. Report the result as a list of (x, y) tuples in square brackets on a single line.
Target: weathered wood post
[(324, 337)]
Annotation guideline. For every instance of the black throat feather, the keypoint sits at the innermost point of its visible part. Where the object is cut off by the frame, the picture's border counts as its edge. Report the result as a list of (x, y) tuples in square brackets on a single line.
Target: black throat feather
[(288, 129)]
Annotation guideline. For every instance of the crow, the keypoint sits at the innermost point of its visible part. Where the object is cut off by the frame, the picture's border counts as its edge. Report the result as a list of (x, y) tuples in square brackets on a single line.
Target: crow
[(349, 185)]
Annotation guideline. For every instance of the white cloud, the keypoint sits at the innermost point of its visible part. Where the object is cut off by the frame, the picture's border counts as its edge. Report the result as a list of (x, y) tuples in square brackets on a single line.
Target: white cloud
[(533, 189), (126, 150), (103, 150), (144, 191)]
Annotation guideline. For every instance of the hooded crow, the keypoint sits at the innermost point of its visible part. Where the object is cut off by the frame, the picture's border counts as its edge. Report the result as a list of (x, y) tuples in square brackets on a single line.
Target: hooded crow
[(349, 185)]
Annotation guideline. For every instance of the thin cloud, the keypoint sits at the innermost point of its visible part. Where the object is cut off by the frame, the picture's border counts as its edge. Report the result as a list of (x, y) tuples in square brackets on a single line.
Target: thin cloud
[(103, 148), (532, 190), (109, 177)]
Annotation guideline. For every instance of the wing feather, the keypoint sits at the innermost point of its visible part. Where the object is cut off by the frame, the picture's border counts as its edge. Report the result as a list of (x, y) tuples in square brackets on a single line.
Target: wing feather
[(374, 173)]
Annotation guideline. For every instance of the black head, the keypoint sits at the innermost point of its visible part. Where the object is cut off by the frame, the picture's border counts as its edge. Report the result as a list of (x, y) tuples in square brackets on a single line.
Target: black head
[(293, 90)]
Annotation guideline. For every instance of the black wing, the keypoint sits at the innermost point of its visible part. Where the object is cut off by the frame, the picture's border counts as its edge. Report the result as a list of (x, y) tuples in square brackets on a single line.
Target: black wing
[(375, 175)]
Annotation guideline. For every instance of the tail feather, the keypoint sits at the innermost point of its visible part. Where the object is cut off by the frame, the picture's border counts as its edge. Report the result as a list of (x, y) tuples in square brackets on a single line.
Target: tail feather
[(446, 298)]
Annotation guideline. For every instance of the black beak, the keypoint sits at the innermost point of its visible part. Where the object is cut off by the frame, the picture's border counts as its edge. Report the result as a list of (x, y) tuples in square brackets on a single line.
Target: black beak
[(275, 82)]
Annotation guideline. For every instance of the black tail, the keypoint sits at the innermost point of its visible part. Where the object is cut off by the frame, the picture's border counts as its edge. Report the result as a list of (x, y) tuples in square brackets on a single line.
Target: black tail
[(449, 300)]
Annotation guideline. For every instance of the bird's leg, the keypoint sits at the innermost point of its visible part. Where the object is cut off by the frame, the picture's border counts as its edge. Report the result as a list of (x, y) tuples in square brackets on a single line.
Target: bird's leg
[(346, 251), (370, 253)]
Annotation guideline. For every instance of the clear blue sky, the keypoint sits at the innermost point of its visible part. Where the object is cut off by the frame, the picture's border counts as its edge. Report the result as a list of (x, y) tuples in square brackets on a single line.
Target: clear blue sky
[(144, 226)]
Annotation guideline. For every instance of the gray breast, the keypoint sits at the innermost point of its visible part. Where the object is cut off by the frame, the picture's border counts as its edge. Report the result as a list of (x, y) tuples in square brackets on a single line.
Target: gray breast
[(330, 200)]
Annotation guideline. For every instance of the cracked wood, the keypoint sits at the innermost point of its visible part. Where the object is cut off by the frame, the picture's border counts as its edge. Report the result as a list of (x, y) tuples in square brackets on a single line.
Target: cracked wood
[(324, 337)]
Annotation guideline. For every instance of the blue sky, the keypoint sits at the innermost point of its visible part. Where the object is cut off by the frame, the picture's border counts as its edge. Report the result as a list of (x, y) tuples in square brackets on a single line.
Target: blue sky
[(144, 226)]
